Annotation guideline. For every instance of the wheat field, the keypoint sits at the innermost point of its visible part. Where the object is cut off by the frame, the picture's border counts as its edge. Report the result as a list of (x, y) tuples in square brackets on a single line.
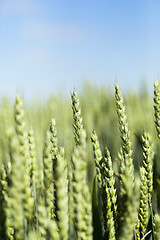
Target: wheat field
[(80, 168)]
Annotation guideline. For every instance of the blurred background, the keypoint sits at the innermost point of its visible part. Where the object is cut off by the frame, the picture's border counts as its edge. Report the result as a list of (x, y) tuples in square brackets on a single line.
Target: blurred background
[(49, 46)]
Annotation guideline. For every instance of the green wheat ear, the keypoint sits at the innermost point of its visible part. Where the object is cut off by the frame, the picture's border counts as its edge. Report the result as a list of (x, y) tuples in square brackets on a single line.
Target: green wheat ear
[(14, 205), (157, 107), (53, 139), (54, 153), (48, 177), (128, 188), (97, 157), (106, 183), (47, 228), (78, 122), (125, 133), (33, 163), (108, 196), (61, 184), (148, 163), (28, 201), (144, 208), (81, 194), (34, 180), (109, 180), (121, 163)]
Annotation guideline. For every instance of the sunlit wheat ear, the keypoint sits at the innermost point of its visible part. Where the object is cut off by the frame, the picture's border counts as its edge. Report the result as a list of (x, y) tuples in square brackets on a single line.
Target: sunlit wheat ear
[(125, 133), (33, 160), (54, 153), (34, 177), (137, 229), (144, 207), (97, 157), (70, 198), (148, 162), (88, 213), (28, 201), (121, 162), (14, 201), (128, 188), (80, 190), (48, 176), (53, 139), (129, 208), (61, 184), (78, 122), (157, 107), (109, 223), (47, 228), (108, 194), (109, 180), (9, 215), (106, 182)]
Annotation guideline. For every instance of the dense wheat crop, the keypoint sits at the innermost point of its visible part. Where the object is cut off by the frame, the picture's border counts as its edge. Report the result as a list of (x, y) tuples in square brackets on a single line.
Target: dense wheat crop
[(87, 167)]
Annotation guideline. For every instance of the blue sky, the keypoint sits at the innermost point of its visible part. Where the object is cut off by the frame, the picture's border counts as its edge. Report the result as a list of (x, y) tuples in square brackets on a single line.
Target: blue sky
[(51, 45)]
